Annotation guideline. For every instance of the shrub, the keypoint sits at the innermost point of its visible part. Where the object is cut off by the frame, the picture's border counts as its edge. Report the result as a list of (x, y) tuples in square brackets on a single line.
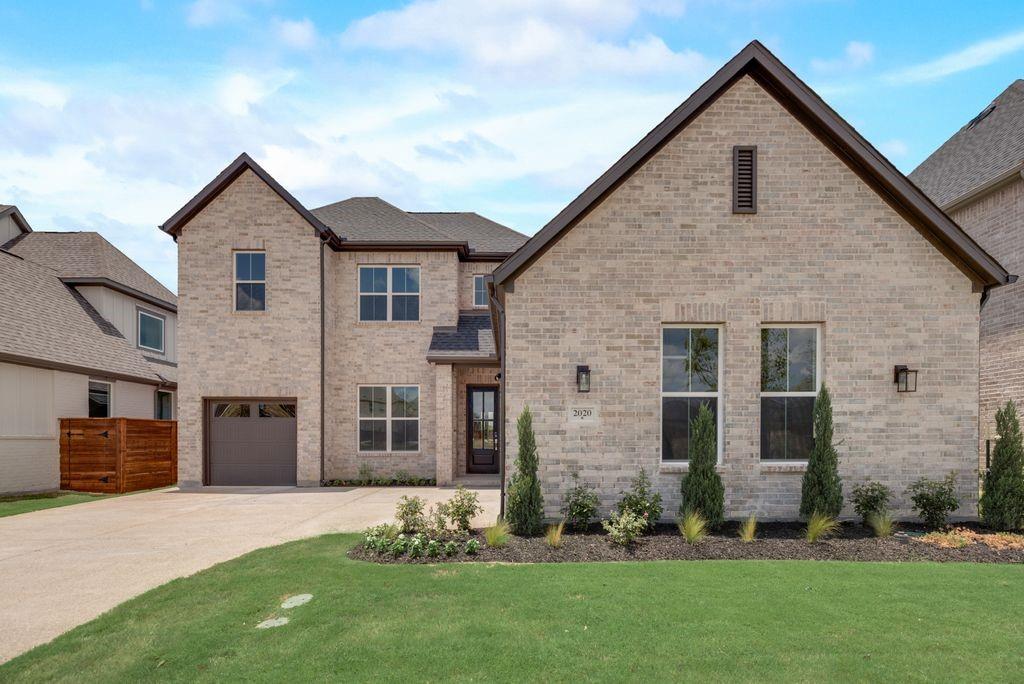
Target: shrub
[(1002, 501), (437, 520), (881, 523), (399, 546), (642, 502), (462, 507), (581, 504), (417, 546), (934, 500), (433, 548), (624, 528), (820, 526), (409, 513), (748, 530), (553, 535), (871, 498), (822, 490), (365, 472), (525, 507), (472, 546), (693, 527), (701, 486), (497, 535), (450, 548), (379, 538)]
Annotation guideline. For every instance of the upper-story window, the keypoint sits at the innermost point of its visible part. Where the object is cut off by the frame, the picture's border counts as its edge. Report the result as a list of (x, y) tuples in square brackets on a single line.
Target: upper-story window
[(389, 293), (250, 281), (479, 291), (151, 331), (99, 398)]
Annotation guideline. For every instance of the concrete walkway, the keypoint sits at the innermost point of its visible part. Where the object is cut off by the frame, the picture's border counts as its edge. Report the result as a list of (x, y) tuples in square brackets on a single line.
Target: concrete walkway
[(65, 566)]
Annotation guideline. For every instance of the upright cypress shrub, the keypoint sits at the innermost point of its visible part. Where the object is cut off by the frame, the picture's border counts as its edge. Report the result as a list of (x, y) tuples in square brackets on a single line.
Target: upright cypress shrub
[(1002, 502), (525, 510), (822, 490), (701, 486)]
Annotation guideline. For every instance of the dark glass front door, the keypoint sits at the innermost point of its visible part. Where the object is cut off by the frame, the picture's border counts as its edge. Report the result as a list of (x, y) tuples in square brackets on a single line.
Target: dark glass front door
[(482, 429)]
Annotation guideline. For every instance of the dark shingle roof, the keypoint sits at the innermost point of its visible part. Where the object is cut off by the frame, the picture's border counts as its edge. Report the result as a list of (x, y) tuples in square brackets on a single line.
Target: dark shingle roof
[(471, 338), (87, 255), (371, 219), (987, 147), (46, 321)]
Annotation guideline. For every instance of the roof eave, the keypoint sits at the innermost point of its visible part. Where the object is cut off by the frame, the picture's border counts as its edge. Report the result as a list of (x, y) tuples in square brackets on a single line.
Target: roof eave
[(123, 289), (18, 217)]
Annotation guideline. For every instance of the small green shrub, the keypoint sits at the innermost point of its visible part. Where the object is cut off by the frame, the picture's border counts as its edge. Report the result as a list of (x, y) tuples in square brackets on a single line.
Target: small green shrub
[(870, 498), (624, 528), (463, 507), (399, 546), (433, 548), (450, 548), (642, 502), (820, 526), (553, 535), (881, 523), (934, 500), (437, 520), (581, 504), (417, 546), (701, 486), (365, 472), (822, 489), (472, 546), (497, 535), (1002, 502), (409, 514), (525, 504), (379, 538), (748, 530), (693, 527)]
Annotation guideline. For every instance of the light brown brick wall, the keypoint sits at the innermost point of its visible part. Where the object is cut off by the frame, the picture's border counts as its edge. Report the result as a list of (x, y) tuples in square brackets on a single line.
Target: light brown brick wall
[(996, 222), (274, 353), (468, 269), (823, 247)]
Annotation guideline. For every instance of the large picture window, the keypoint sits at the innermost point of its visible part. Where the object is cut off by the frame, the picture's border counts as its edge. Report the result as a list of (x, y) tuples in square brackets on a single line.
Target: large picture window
[(389, 293), (250, 281), (389, 418), (691, 366), (790, 376)]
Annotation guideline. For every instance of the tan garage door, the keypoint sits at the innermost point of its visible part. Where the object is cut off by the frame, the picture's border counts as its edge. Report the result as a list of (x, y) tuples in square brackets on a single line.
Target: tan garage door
[(251, 442)]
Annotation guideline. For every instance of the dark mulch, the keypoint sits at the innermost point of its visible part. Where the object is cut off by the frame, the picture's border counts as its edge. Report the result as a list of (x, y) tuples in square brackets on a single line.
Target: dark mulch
[(775, 541)]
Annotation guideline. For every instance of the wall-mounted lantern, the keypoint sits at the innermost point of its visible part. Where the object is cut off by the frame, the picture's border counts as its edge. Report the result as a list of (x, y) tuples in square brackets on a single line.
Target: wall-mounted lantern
[(583, 378), (905, 379)]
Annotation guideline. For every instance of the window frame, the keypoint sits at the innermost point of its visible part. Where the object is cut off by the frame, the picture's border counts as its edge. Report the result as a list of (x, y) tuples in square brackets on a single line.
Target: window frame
[(235, 282), (389, 294), (388, 418), (156, 403), (818, 368), (110, 396), (139, 313), (719, 396), (482, 278)]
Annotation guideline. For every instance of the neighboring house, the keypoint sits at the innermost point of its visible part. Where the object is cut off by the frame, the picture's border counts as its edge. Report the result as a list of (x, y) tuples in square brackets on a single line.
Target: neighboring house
[(750, 248), (976, 177), (84, 331), (321, 343)]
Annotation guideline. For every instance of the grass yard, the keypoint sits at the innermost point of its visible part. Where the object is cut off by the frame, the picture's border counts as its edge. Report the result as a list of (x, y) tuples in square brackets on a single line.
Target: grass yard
[(707, 620), (26, 503)]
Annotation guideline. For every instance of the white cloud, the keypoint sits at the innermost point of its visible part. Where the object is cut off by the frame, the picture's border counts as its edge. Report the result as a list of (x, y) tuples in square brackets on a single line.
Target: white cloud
[(297, 34), (856, 55), (34, 90), (238, 92), (971, 57), (202, 13), (894, 148)]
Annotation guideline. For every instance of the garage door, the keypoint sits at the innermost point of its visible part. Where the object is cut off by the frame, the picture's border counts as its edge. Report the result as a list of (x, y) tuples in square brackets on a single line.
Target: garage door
[(251, 442)]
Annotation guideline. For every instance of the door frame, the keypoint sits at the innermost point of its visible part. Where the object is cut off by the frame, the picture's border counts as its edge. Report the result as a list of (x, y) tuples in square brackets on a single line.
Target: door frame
[(207, 404), (469, 426)]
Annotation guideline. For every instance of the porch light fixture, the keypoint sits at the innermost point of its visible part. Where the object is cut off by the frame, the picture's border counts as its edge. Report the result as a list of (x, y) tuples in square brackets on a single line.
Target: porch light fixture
[(583, 378), (905, 379)]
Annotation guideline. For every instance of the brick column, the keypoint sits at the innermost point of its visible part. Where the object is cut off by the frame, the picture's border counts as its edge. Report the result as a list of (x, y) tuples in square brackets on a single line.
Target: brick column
[(444, 395)]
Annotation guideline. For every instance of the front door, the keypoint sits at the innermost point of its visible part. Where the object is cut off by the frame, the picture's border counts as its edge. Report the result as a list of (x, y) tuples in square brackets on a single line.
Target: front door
[(482, 411)]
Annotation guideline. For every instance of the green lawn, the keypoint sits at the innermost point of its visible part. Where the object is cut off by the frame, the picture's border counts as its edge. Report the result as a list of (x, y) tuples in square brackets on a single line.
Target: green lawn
[(728, 620), (26, 503)]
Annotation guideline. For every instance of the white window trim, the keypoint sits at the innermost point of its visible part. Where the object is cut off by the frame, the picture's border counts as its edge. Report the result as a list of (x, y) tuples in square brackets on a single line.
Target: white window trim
[(235, 282), (481, 278), (388, 418), (817, 376), (110, 396), (388, 294), (164, 391), (719, 395), (138, 330)]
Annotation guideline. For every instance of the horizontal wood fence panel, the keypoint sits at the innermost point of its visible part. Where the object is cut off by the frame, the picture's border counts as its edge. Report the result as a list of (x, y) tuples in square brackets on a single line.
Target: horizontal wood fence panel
[(117, 455)]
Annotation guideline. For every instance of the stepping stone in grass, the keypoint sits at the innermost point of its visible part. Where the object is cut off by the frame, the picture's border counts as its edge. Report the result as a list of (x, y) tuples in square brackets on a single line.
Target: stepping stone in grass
[(297, 600), (272, 622)]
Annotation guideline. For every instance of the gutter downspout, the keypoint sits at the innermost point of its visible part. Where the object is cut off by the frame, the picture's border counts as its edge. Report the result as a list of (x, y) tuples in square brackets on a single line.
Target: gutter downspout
[(323, 370), (501, 403)]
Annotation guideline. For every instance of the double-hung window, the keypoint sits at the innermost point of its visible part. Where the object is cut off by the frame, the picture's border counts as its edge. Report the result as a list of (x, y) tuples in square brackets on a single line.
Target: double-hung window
[(163, 406), (100, 394), (389, 293), (150, 331), (250, 281), (790, 376), (389, 418), (479, 291), (691, 366)]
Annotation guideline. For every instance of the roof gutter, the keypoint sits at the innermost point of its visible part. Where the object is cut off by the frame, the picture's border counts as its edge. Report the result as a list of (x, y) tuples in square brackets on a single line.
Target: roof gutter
[(324, 239), (498, 321)]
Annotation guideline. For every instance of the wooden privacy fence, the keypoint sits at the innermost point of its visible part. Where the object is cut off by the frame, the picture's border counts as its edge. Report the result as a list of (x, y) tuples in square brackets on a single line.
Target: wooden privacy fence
[(117, 455)]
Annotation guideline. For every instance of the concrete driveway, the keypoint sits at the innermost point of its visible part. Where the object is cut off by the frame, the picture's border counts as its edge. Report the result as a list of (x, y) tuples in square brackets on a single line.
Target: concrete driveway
[(65, 566)]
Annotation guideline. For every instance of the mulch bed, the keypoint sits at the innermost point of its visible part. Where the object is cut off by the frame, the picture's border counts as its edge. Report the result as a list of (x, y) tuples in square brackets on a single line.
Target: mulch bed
[(775, 541)]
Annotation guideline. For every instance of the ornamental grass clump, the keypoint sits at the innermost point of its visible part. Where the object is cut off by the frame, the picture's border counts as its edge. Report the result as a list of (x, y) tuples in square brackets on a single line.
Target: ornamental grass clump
[(497, 535), (693, 527), (820, 526), (701, 486), (882, 524), (822, 490), (525, 508), (553, 535), (748, 530), (1002, 502)]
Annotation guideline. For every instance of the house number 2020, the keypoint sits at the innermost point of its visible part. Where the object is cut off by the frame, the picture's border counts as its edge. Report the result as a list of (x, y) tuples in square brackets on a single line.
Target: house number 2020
[(582, 415)]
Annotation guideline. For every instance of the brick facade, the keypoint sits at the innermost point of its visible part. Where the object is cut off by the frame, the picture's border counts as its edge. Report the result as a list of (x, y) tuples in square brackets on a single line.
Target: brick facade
[(665, 247)]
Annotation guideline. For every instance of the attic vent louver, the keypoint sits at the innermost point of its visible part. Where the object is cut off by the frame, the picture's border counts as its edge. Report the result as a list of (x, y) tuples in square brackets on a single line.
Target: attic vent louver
[(744, 179), (984, 112)]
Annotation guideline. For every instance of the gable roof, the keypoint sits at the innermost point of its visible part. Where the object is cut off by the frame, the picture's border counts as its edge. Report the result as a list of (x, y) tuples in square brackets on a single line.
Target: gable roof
[(985, 151), (756, 61), (86, 258), (12, 211)]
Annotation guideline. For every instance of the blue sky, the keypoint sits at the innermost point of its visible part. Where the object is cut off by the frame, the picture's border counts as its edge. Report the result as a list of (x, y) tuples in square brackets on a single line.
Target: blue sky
[(113, 115)]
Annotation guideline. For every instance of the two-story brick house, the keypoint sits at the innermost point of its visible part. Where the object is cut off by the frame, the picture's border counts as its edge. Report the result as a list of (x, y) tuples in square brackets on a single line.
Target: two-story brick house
[(323, 342)]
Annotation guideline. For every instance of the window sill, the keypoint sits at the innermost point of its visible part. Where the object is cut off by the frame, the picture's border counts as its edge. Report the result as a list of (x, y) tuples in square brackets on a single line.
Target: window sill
[(388, 453), (783, 466), (674, 467)]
